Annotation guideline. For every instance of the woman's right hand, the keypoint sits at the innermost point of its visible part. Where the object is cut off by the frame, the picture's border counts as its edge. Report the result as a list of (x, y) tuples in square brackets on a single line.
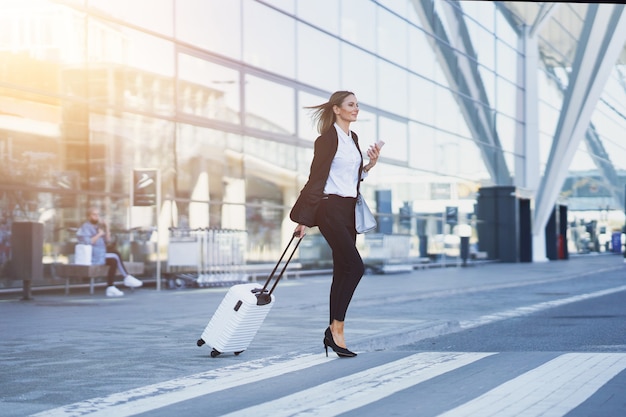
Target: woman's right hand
[(300, 231)]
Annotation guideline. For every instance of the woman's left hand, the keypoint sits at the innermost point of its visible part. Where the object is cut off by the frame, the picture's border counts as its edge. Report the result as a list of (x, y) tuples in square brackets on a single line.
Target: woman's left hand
[(373, 152)]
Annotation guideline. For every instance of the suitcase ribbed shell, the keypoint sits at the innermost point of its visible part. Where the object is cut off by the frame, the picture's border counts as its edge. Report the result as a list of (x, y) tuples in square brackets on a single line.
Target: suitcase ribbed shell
[(236, 320)]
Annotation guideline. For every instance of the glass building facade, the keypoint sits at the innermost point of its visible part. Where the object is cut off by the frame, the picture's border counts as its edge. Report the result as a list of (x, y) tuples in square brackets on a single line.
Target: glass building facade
[(211, 94)]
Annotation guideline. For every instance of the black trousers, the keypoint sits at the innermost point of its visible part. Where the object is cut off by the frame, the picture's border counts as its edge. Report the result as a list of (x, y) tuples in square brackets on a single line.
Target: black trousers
[(335, 219)]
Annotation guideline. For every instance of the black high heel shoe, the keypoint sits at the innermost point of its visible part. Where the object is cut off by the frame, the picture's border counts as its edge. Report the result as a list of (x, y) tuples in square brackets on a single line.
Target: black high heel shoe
[(329, 341)]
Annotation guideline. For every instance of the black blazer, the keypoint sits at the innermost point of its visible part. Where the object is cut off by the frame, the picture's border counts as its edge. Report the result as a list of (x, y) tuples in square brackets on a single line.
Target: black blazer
[(305, 209)]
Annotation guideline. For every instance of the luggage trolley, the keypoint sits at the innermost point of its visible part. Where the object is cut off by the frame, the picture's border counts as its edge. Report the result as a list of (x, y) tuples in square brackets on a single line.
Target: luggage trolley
[(223, 256), (184, 256), (206, 257)]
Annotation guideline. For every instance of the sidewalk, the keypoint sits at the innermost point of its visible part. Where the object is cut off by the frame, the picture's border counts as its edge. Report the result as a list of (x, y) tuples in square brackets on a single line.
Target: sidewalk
[(58, 349)]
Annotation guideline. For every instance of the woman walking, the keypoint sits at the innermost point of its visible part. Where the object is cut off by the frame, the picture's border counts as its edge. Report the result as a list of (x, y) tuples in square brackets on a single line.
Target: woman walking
[(328, 200)]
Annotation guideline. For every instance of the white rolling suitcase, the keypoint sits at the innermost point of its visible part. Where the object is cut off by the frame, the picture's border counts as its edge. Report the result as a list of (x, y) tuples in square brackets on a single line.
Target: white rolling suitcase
[(241, 313)]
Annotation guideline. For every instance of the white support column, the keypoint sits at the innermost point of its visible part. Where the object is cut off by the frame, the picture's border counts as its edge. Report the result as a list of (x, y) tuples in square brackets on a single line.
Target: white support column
[(601, 42), (198, 210), (234, 214), (528, 169)]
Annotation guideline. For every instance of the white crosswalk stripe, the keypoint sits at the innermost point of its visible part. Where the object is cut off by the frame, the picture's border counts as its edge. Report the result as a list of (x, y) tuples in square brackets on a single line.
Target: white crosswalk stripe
[(344, 394), (552, 389), (155, 396)]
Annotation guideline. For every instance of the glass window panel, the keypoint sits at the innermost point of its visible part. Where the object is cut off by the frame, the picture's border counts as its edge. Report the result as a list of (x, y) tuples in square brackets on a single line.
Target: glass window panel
[(611, 131), (357, 18), (130, 68), (307, 129), (421, 57), (393, 89), (483, 43), (421, 147), (322, 13), (272, 50), (507, 63), (483, 12), (131, 48), (358, 71), (366, 128), (207, 89), (159, 19), (545, 143), (548, 118), (119, 143), (471, 164), (421, 99), (398, 6), (548, 89), (214, 25), (509, 160), (269, 155), (392, 37), (489, 83), (269, 106), (41, 44), (394, 134), (613, 92), (445, 106), (505, 31), (287, 5), (318, 59), (447, 157), (507, 97), (304, 156), (506, 132), (32, 129)]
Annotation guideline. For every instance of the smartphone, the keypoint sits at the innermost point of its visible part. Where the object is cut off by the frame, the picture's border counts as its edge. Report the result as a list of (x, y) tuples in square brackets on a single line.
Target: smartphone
[(380, 144)]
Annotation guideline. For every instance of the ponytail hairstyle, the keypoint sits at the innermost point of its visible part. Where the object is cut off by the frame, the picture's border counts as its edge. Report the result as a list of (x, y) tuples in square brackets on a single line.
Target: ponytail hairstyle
[(324, 115)]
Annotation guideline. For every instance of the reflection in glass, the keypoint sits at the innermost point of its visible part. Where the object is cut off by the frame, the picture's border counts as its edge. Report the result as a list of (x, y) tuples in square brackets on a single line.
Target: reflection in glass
[(393, 88), (318, 59), (40, 43), (395, 135), (207, 89), (322, 13), (269, 106), (214, 25), (366, 127), (507, 63), (119, 143), (307, 129), (287, 5), (278, 159), (421, 147), (358, 73), (392, 37), (421, 56), (129, 68), (356, 23), (272, 50), (159, 18)]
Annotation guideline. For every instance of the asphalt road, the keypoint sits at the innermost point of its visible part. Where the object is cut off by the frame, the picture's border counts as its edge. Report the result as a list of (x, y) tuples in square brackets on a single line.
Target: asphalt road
[(502, 340)]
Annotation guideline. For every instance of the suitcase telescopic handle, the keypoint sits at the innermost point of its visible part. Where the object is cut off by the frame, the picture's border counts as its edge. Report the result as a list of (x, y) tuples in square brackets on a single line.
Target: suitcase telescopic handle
[(264, 297)]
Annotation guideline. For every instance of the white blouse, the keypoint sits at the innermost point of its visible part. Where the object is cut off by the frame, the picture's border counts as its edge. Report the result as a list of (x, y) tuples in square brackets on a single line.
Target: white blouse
[(344, 170)]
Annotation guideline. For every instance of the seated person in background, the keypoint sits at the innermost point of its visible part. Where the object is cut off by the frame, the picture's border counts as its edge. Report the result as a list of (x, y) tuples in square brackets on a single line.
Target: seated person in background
[(97, 234)]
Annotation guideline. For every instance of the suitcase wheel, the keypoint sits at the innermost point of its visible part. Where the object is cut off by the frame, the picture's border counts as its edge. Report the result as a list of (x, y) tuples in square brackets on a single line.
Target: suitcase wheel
[(215, 353), (237, 353), (200, 342)]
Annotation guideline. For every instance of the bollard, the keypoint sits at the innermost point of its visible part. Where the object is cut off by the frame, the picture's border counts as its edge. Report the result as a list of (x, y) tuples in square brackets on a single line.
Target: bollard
[(27, 254), (464, 249)]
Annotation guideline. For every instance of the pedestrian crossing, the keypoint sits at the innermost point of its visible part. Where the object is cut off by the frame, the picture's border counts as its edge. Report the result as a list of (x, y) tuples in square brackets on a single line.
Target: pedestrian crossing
[(552, 388)]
